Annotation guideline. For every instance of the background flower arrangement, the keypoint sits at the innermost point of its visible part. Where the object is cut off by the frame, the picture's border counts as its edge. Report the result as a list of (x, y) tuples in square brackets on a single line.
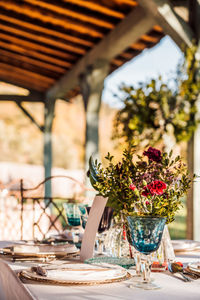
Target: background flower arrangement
[(156, 109), (150, 186)]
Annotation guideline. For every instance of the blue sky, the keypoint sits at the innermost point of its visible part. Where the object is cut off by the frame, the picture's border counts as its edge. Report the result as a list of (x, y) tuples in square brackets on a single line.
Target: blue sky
[(160, 60)]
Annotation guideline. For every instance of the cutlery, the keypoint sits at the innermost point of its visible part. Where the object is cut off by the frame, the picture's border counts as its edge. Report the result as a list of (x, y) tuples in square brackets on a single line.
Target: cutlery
[(176, 268), (32, 259)]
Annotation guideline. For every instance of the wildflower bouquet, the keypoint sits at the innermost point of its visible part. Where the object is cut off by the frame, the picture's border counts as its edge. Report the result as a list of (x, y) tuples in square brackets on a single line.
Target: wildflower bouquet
[(152, 185)]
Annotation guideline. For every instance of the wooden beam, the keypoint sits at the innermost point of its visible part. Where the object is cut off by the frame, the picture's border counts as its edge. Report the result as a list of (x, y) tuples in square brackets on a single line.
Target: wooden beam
[(41, 128), (100, 8), (45, 30), (63, 10), (30, 74), (24, 65), (38, 47), (36, 54), (167, 18), (43, 40), (126, 32), (34, 13), (21, 80), (25, 59), (21, 98), (194, 17)]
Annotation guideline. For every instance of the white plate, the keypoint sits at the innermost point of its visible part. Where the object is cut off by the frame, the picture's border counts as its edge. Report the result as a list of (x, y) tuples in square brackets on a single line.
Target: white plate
[(194, 267), (79, 274), (40, 250), (185, 245)]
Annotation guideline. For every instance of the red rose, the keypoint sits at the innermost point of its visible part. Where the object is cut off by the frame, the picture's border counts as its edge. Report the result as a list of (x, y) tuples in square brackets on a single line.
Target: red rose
[(132, 187), (147, 202), (154, 188), (153, 154)]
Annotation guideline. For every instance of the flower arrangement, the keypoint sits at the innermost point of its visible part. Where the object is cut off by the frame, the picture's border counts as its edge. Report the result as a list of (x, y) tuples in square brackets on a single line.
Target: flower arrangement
[(151, 185), (154, 110)]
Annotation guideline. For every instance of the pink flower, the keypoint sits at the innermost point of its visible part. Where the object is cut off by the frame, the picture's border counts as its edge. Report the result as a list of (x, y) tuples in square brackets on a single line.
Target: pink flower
[(153, 154), (147, 202), (132, 187)]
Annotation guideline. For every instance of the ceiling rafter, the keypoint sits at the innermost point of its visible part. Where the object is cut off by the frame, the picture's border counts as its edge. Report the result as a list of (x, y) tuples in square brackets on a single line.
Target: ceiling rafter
[(129, 29), (25, 73), (43, 40), (22, 81), (50, 18), (70, 13), (97, 7), (40, 29), (32, 61), (37, 46), (35, 54)]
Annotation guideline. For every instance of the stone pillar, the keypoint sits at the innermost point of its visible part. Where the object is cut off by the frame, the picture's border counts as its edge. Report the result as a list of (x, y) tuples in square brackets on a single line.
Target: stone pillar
[(193, 200), (92, 84), (48, 122)]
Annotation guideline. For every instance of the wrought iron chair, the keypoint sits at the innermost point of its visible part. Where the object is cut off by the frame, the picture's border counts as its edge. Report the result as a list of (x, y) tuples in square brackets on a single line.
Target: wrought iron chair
[(44, 208)]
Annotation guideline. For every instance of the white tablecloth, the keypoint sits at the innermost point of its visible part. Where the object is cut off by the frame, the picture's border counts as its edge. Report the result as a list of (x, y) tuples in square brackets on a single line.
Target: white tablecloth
[(172, 288)]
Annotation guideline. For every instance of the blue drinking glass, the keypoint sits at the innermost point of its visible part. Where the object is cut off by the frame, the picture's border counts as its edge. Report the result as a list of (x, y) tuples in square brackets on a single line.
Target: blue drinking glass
[(145, 235), (72, 212)]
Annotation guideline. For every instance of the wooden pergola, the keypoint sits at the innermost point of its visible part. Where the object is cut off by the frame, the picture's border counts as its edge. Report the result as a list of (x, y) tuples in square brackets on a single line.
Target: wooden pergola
[(58, 49)]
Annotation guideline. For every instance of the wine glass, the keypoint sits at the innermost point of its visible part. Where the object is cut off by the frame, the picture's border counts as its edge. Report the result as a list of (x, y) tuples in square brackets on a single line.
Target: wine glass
[(73, 217), (72, 212), (145, 235)]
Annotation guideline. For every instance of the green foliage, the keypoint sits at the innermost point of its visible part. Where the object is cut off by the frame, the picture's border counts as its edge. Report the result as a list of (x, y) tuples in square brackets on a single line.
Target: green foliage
[(155, 109), (124, 183)]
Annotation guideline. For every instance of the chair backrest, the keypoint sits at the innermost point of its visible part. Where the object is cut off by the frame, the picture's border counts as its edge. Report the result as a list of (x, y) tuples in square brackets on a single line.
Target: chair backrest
[(46, 213)]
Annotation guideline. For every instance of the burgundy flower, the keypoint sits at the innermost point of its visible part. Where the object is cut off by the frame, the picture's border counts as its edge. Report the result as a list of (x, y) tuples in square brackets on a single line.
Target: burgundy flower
[(132, 187), (153, 154)]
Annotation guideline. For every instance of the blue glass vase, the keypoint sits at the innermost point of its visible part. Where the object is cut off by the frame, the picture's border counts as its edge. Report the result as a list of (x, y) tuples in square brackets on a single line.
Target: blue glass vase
[(145, 235)]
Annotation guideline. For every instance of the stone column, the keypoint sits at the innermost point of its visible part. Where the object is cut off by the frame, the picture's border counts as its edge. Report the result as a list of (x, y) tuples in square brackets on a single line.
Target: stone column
[(193, 200), (48, 122), (92, 84)]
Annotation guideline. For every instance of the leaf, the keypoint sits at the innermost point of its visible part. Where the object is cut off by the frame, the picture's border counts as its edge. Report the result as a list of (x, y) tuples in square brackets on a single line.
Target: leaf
[(93, 173)]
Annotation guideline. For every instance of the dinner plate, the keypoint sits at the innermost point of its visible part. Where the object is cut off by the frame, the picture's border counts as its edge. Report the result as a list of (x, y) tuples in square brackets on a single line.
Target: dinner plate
[(39, 250), (194, 267), (185, 245), (75, 274)]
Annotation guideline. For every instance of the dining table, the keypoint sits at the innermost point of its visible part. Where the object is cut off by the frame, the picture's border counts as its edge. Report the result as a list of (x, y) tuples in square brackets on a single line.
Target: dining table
[(172, 287)]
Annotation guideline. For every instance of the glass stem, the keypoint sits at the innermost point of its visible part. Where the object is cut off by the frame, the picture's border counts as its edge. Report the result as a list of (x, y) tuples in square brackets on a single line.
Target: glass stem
[(146, 269), (138, 264)]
